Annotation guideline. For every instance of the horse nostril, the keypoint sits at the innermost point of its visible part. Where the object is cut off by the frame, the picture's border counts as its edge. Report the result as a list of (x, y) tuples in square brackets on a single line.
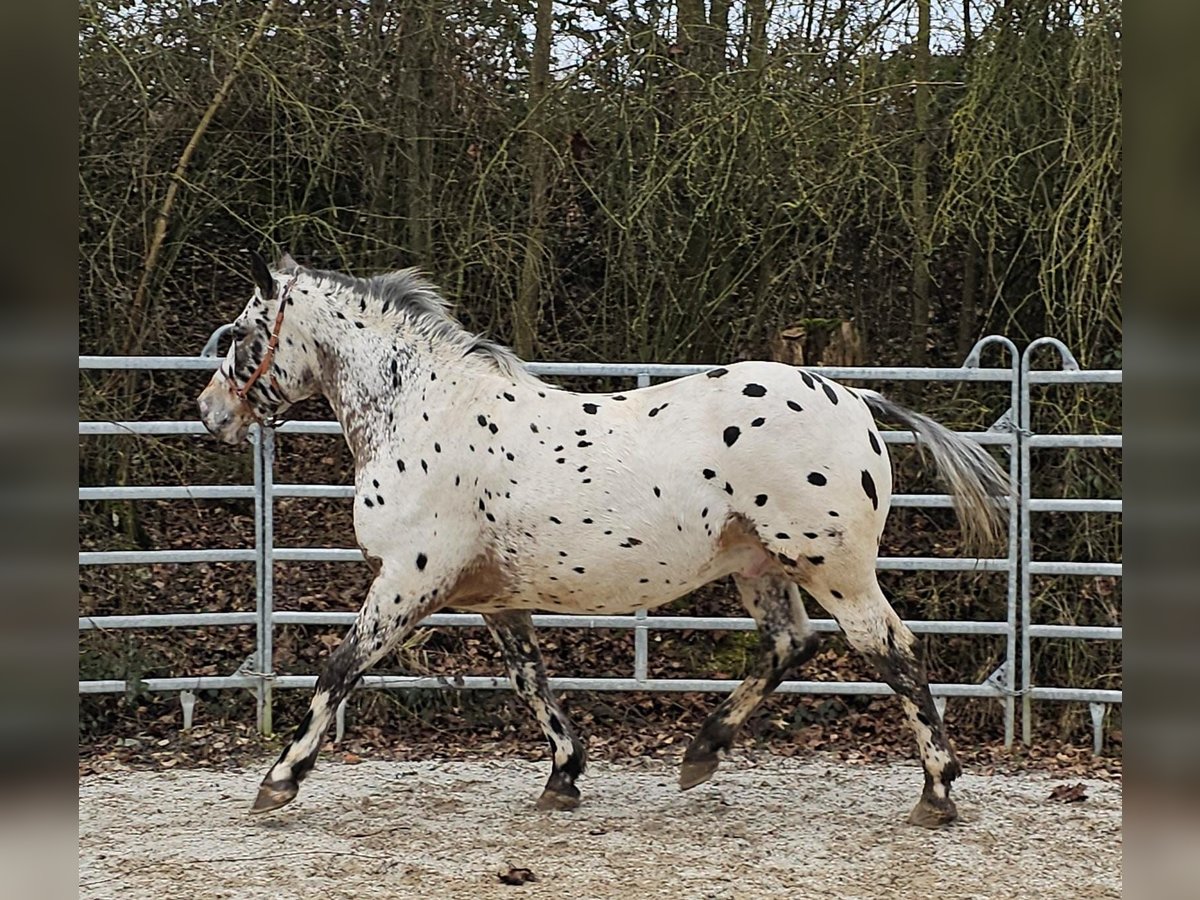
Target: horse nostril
[(213, 417)]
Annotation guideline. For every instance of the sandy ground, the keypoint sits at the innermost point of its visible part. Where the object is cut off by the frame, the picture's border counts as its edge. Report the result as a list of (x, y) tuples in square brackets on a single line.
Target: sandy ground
[(763, 828)]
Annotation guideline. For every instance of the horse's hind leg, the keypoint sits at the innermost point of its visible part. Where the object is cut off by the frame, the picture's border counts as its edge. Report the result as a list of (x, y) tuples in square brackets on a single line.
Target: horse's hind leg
[(513, 631), (874, 629), (785, 640)]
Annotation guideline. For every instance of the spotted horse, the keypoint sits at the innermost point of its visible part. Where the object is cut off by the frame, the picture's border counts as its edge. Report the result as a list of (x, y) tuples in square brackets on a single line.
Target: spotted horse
[(479, 487)]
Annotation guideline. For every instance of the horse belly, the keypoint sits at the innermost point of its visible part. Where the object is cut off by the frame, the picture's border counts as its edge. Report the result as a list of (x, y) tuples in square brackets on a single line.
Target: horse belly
[(642, 576)]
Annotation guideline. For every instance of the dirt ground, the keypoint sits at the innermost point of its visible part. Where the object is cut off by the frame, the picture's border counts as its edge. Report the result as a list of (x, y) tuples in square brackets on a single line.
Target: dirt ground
[(764, 827)]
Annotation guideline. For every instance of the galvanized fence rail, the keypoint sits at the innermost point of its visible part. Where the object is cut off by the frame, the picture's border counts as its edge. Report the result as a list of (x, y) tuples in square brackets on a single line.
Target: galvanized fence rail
[(1010, 432)]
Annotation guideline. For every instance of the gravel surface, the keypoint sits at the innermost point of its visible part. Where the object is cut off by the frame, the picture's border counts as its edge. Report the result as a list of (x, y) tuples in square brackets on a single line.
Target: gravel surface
[(764, 827)]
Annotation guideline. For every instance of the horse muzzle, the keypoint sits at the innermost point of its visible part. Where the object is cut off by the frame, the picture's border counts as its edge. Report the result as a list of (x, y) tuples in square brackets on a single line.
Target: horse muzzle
[(226, 415)]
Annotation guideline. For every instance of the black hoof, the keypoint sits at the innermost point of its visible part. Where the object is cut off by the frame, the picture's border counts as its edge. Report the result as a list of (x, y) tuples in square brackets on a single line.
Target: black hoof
[(697, 771), (274, 794), (933, 812)]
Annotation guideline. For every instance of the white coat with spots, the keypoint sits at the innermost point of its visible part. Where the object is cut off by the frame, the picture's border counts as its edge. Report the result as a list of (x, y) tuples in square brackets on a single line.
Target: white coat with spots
[(479, 487)]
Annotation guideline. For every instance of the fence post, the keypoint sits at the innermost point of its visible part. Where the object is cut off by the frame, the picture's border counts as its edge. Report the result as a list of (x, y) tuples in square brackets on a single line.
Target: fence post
[(1012, 422), (641, 636), (264, 542), (1025, 422)]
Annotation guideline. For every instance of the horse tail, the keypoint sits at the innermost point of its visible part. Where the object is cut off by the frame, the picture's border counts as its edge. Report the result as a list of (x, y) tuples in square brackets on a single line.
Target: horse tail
[(977, 483)]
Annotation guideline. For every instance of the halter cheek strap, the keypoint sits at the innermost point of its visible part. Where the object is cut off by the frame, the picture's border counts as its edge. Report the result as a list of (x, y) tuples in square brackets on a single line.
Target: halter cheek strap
[(272, 343)]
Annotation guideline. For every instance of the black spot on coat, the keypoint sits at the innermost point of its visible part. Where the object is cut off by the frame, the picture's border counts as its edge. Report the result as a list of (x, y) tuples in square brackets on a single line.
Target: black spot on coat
[(754, 390), (868, 484), (817, 478), (731, 434)]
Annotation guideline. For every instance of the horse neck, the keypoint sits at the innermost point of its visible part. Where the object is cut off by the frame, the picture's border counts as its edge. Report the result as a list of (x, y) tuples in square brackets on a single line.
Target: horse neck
[(367, 393)]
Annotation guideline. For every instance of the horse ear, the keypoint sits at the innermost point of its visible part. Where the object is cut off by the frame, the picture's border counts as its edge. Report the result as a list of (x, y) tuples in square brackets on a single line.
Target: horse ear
[(262, 275), (286, 263)]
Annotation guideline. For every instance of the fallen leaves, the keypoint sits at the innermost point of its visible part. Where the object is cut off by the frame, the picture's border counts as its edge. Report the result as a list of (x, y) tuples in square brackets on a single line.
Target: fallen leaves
[(1069, 793), (516, 876)]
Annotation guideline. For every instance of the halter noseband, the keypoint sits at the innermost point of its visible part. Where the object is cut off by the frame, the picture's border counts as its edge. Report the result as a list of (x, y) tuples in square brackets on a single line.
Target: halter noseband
[(269, 356)]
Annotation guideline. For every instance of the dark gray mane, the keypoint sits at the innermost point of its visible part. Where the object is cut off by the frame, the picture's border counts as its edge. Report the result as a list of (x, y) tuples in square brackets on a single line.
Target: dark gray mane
[(408, 293)]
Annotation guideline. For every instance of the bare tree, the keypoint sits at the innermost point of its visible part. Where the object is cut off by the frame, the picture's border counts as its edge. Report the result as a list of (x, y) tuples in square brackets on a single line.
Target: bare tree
[(919, 335), (528, 296)]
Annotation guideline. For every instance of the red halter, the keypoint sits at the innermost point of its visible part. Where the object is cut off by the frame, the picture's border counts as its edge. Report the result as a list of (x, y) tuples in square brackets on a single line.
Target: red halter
[(269, 356)]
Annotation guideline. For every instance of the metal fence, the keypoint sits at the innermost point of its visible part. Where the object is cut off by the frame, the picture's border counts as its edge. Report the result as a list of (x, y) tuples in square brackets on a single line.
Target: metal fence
[(1012, 432)]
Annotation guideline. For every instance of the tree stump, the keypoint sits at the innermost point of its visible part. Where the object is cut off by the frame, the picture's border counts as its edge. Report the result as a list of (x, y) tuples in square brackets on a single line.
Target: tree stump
[(819, 342)]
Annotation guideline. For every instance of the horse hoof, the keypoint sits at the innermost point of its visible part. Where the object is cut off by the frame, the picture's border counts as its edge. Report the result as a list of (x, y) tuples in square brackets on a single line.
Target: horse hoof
[(557, 800), (273, 795), (932, 812), (697, 771)]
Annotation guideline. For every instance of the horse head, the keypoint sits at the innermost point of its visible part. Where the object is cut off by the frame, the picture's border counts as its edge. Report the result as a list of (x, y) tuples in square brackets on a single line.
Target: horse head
[(267, 369)]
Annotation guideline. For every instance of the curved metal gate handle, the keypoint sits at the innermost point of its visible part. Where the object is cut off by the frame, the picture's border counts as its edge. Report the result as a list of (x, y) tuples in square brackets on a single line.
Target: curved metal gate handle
[(213, 343)]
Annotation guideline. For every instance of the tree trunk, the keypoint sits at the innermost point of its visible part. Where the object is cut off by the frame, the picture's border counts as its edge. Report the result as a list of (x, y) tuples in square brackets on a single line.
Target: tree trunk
[(756, 57), (919, 335), (525, 315), (691, 29), (969, 315), (418, 87), (717, 36)]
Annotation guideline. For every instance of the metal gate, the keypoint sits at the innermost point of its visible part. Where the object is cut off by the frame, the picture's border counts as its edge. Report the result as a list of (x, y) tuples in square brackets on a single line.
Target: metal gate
[(1012, 432)]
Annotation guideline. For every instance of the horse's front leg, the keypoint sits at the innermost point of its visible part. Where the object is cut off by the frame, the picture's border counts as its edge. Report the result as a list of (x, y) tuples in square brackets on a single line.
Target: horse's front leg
[(513, 631), (391, 611)]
